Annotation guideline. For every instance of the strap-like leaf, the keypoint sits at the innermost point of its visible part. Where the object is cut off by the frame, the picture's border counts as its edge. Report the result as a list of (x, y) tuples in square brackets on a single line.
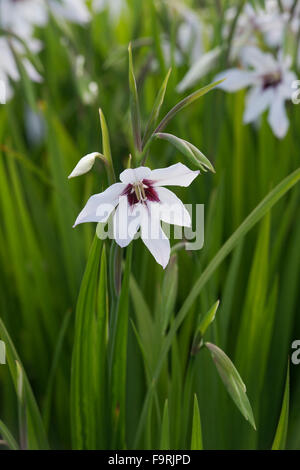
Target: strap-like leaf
[(8, 437), (134, 101), (106, 148), (156, 108), (184, 103)]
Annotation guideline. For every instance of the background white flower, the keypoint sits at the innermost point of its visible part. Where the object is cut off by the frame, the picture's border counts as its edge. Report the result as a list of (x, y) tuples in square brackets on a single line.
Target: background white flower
[(142, 201), (23, 15), (270, 80), (8, 67), (20, 18)]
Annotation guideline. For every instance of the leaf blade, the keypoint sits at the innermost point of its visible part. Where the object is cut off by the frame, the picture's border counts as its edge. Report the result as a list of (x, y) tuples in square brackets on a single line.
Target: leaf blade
[(196, 440), (282, 428)]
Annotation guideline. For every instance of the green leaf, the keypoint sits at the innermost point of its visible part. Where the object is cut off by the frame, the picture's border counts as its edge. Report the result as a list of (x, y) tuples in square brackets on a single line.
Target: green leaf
[(88, 377), (134, 102), (184, 103), (196, 442), (36, 436), (232, 381), (253, 321), (55, 362), (208, 318), (60, 146), (27, 83), (143, 319), (189, 150), (119, 359), (203, 325), (168, 293), (2, 353), (8, 437), (282, 428), (106, 148), (165, 429), (21, 407), (156, 108)]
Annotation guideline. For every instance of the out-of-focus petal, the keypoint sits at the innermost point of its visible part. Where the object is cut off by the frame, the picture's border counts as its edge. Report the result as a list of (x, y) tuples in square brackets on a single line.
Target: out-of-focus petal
[(257, 102), (277, 118), (236, 79), (76, 12), (199, 69), (32, 72)]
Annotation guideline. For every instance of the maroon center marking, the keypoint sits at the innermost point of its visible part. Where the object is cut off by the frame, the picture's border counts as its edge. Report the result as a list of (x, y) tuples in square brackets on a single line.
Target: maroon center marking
[(149, 191), (271, 80)]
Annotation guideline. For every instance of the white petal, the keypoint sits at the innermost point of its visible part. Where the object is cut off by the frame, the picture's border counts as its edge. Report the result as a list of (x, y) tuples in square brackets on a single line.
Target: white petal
[(6, 91), (154, 237), (84, 165), (171, 209), (200, 68), (126, 222), (77, 12), (100, 206), (133, 175), (7, 61), (34, 45), (277, 118), (32, 72), (257, 59), (174, 175), (236, 79), (258, 100)]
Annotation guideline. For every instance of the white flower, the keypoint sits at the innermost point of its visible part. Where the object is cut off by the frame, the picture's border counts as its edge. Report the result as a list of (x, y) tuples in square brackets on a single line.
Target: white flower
[(271, 85), (84, 165), (8, 67), (21, 16), (270, 22), (189, 39), (142, 201), (190, 32)]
